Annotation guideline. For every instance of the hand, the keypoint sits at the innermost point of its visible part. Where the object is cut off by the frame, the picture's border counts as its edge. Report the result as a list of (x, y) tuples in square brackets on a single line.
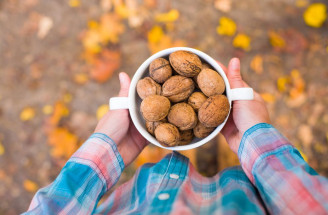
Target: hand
[(245, 114), (117, 125)]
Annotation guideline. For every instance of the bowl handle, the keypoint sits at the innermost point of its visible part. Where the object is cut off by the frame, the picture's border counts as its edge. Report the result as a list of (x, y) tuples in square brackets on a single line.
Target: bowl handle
[(245, 93), (117, 103)]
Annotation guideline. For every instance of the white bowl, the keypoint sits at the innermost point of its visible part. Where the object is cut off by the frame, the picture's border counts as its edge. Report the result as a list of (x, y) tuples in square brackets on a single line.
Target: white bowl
[(133, 101)]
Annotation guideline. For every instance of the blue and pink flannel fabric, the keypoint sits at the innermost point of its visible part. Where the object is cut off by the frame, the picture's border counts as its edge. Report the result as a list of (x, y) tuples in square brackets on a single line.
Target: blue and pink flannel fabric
[(273, 178)]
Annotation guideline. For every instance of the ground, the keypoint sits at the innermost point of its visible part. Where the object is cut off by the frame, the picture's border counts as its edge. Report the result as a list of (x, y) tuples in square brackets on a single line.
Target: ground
[(59, 65)]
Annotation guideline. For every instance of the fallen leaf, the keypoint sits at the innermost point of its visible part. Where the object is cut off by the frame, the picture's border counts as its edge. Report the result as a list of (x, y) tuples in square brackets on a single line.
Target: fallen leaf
[(257, 64), (106, 5), (268, 97), (170, 16), (242, 41), (301, 3), (104, 67), (60, 111), (74, 3), (30, 186), (63, 142), (155, 34), (223, 5), (227, 27), (81, 78), (48, 109), (122, 11), (296, 102), (305, 134), (315, 15), (282, 83), (45, 24), (27, 113), (276, 40), (2, 149), (150, 154), (67, 98), (102, 110)]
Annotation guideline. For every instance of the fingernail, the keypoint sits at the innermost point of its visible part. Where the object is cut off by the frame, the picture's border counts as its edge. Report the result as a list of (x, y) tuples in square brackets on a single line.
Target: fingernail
[(234, 63), (120, 76)]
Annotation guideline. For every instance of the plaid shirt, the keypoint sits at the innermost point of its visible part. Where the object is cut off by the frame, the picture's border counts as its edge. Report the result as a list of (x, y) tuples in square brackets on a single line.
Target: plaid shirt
[(273, 178)]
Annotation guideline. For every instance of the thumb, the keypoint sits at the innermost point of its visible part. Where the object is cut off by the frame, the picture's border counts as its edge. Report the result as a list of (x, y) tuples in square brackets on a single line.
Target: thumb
[(234, 76), (125, 84)]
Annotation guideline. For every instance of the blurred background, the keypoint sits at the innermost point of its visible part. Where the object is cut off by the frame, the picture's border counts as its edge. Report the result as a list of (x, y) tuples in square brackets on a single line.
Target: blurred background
[(59, 65)]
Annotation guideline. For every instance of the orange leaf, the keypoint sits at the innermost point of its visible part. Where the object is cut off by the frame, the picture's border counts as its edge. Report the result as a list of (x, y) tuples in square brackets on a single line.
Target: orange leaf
[(105, 65), (30, 186), (63, 142), (60, 110), (257, 64)]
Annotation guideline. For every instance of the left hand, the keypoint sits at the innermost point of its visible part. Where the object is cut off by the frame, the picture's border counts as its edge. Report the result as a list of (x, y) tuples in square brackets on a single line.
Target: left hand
[(117, 125)]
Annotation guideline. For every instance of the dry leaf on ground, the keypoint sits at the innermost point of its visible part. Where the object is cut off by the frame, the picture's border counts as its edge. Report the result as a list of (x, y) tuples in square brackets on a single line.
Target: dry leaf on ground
[(30, 186), (27, 113), (257, 64), (315, 15), (226, 27)]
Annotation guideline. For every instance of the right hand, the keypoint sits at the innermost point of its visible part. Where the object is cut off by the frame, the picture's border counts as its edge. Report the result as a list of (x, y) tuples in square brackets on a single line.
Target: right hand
[(244, 114)]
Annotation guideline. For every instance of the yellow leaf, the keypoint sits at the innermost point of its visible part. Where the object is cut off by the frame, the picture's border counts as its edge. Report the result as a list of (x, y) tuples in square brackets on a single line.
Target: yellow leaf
[(304, 156), (47, 109), (74, 3), (93, 24), (67, 98), (257, 64), (63, 142), (301, 3), (242, 41), (27, 113), (102, 110), (282, 82), (276, 40), (268, 97), (171, 16), (226, 27), (155, 34), (81, 78), (122, 11), (2, 149), (315, 15), (110, 28), (92, 40), (30, 186)]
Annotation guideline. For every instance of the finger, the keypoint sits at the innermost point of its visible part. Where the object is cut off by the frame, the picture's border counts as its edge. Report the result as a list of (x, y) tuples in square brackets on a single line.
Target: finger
[(125, 84), (234, 76), (224, 68)]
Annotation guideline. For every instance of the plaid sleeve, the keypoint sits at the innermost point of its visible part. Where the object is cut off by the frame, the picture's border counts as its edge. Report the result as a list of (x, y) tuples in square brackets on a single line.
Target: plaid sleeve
[(286, 183), (87, 175)]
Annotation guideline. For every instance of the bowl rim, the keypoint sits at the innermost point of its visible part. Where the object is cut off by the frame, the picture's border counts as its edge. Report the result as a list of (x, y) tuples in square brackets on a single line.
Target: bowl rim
[(133, 93)]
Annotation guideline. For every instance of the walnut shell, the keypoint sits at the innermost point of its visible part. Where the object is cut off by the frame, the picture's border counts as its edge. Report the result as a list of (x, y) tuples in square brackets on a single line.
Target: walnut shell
[(186, 137), (185, 63), (210, 82), (204, 66), (214, 111), (160, 70), (201, 131), (183, 116), (196, 100), (147, 87), (151, 126), (155, 108), (178, 88), (167, 134)]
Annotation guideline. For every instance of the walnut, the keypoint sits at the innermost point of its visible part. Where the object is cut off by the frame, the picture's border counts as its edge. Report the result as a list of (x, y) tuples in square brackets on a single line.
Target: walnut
[(155, 108), (204, 66), (186, 137), (210, 82), (201, 131), (183, 116), (214, 111), (178, 88), (160, 70), (196, 100), (167, 134), (151, 126), (147, 87), (185, 63)]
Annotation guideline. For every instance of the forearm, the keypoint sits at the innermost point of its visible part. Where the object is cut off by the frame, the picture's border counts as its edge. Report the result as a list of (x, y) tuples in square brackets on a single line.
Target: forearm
[(88, 174), (286, 183)]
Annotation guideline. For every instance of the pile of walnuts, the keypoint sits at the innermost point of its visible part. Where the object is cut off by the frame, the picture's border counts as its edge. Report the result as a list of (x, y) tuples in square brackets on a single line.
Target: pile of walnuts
[(182, 98)]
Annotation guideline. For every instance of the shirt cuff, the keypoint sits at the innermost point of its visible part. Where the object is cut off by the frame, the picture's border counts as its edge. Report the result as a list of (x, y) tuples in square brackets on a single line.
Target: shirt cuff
[(100, 153), (259, 142)]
